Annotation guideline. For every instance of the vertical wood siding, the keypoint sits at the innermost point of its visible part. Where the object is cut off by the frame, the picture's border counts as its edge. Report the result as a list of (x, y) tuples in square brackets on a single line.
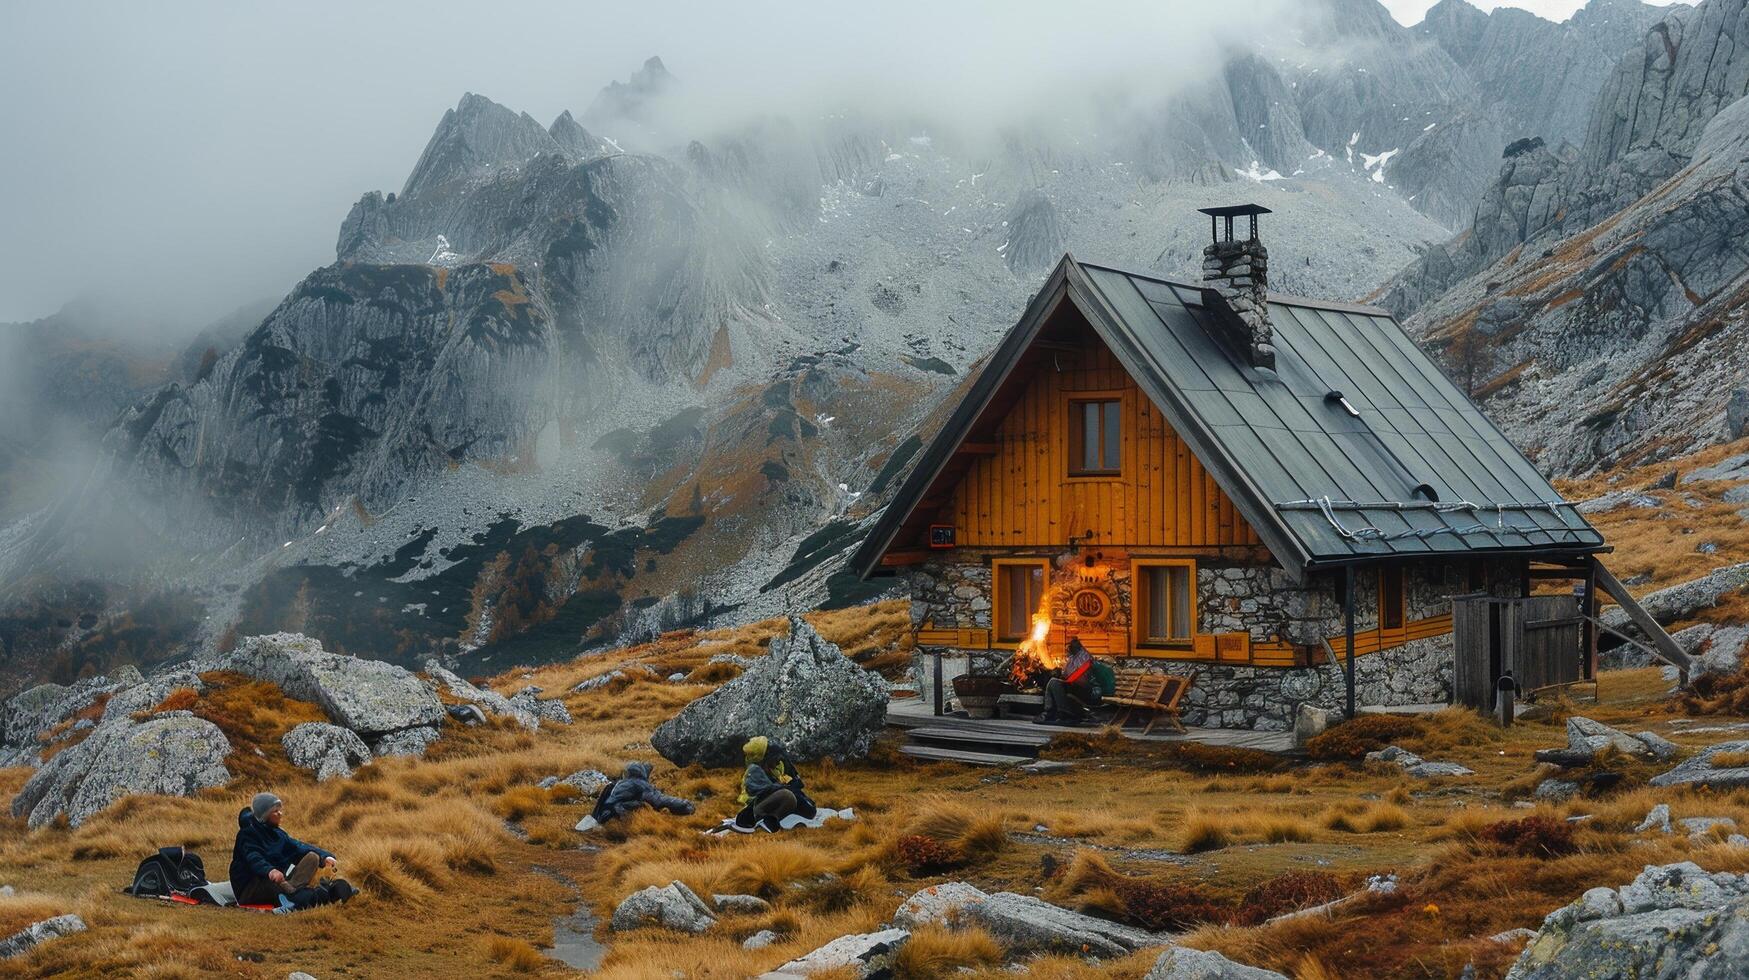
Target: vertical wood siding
[(1023, 495)]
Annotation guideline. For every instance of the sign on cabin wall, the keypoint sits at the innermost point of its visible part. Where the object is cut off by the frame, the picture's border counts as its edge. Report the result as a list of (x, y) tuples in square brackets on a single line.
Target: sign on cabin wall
[(1083, 606), (941, 535)]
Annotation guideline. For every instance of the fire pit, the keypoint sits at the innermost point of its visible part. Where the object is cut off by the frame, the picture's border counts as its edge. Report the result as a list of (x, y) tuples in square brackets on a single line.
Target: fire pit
[(977, 693)]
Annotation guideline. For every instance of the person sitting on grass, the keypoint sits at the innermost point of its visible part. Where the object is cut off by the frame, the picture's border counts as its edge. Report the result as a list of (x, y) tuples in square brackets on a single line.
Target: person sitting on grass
[(1070, 698), (267, 862), (632, 791), (771, 788)]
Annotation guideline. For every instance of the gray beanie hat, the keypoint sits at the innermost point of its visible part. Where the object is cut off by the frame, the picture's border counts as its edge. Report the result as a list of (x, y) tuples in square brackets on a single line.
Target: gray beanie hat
[(263, 804)]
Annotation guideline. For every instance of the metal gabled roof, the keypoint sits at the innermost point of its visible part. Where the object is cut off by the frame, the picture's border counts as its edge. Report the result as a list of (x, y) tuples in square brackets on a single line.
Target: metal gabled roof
[(1320, 486)]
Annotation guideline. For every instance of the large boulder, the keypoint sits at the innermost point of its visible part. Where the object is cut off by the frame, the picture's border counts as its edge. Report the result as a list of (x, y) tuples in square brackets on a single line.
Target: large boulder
[(873, 954), (1700, 771), (1683, 600), (328, 750), (37, 933), (671, 906), (367, 696), (1024, 924), (127, 702), (174, 754), (1672, 921), (804, 693), (1179, 963)]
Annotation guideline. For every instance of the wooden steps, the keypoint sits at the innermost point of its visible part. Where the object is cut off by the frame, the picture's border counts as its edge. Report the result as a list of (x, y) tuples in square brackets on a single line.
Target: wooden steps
[(974, 746)]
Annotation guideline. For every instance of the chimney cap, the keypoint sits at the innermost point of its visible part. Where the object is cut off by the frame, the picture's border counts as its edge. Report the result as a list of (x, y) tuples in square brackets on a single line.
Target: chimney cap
[(1235, 210)]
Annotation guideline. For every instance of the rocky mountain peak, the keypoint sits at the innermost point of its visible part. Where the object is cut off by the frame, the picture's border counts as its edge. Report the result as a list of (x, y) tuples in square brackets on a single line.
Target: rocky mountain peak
[(476, 135), (576, 141), (631, 100)]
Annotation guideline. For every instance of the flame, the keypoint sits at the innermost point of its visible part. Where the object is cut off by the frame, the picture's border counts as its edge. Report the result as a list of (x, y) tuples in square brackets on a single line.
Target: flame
[(1034, 656)]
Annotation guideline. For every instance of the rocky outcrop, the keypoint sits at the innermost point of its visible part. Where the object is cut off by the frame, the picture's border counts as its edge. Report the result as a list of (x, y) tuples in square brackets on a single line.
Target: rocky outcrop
[(472, 139), (406, 741), (1672, 921), (937, 905), (37, 933), (1700, 771), (369, 697), (804, 694), (1180, 963), (1683, 600), (874, 954), (1586, 738), (488, 701), (1414, 765), (327, 750), (671, 906), (27, 718), (174, 754), (529, 702), (1025, 925)]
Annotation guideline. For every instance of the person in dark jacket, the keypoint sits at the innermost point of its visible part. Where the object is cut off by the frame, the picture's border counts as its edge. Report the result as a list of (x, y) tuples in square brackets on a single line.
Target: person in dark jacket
[(634, 790), (771, 788), (1069, 698), (267, 862)]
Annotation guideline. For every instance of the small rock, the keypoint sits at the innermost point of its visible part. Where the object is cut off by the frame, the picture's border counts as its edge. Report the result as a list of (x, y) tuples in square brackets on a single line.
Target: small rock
[(1183, 963), (599, 681), (937, 905), (299, 975), (1699, 771), (1703, 826), (590, 781), (1024, 924), (36, 933), (1514, 936), (873, 954), (467, 714), (1555, 790), (677, 677), (672, 906), (1657, 818), (759, 940), (740, 904)]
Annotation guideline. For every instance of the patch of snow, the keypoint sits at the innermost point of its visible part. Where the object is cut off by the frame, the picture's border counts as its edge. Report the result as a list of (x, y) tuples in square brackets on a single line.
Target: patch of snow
[(1428, 126), (920, 141), (1257, 173), (1377, 163)]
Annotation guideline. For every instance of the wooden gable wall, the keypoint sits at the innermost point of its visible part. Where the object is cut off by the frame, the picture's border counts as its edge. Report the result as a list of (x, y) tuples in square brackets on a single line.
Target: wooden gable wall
[(1018, 492)]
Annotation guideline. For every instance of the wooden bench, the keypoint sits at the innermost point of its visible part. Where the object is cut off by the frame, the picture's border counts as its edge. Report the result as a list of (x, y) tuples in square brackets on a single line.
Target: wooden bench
[(1139, 689)]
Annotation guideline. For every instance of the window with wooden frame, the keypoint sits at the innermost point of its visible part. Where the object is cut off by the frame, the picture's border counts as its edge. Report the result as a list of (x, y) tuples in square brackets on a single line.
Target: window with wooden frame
[(1163, 602), (1392, 613), (1017, 586), (1095, 436)]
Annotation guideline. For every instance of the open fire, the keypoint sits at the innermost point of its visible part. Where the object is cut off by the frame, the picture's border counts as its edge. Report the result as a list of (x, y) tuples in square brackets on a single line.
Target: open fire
[(1034, 660)]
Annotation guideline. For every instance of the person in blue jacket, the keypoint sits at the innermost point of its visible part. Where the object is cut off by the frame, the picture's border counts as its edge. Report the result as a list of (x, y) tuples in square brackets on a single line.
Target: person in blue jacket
[(267, 862)]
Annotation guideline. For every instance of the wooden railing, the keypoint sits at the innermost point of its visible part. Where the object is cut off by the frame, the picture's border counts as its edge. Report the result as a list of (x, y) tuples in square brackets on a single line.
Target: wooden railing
[(1226, 648)]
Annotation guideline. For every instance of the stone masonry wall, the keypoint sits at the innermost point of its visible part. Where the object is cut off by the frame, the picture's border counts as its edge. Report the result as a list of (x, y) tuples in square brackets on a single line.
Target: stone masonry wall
[(1233, 595)]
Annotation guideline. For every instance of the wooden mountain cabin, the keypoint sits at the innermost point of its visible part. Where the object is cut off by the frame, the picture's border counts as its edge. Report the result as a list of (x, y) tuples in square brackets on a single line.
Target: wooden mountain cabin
[(1283, 495)]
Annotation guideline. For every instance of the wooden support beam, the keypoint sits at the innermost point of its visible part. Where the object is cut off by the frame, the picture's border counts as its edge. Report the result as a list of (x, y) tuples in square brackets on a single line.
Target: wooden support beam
[(1662, 644)]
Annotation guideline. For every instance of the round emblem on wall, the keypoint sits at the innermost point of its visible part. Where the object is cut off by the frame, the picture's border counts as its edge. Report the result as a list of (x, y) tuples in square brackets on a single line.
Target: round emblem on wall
[(1091, 604), (1301, 685)]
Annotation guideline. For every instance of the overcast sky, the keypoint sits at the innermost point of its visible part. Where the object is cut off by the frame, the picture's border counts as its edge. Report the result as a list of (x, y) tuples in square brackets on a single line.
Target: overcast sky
[(197, 155)]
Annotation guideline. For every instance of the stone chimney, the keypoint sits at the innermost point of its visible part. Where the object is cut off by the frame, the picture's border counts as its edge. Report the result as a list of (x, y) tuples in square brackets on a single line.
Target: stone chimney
[(1235, 274)]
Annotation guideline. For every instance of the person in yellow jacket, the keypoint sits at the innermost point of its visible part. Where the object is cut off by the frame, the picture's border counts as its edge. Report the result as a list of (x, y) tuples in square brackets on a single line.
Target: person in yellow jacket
[(771, 788)]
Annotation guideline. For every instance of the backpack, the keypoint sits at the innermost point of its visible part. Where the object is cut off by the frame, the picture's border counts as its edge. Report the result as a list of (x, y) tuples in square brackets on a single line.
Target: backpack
[(171, 871)]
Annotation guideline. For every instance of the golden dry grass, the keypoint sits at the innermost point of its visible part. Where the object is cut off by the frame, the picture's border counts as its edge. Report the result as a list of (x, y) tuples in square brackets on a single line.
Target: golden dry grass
[(451, 888)]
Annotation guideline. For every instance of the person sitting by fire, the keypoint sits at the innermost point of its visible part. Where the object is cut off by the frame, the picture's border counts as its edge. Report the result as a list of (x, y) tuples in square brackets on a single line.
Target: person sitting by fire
[(1072, 696), (771, 788)]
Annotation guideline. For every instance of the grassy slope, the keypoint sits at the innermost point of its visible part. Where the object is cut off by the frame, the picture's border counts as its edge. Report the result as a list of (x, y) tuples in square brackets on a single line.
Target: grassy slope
[(453, 888)]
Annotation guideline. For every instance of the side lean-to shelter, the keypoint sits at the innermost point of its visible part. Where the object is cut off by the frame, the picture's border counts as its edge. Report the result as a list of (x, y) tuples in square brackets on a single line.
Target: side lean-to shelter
[(1282, 494)]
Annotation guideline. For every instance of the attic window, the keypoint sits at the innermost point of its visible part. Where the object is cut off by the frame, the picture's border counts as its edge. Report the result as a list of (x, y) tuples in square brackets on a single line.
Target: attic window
[(1095, 437)]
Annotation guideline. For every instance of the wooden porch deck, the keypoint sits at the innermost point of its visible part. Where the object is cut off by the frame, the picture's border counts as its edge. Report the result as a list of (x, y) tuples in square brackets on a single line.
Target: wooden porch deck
[(909, 713)]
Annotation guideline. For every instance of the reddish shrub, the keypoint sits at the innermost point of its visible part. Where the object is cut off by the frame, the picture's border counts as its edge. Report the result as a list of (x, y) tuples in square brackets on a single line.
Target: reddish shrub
[(1287, 893), (1533, 836), (922, 854), (1198, 757), (1159, 905), (1352, 740)]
